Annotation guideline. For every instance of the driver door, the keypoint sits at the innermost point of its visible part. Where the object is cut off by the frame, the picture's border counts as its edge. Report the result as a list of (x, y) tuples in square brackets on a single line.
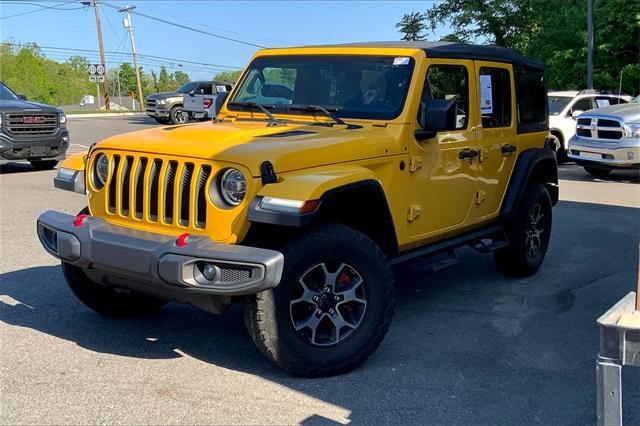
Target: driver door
[(443, 171)]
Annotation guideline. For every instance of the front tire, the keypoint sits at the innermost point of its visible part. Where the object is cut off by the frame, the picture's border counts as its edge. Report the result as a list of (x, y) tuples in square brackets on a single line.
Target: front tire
[(528, 234), (597, 171), (44, 164), (177, 115), (333, 305), (561, 153), (108, 301)]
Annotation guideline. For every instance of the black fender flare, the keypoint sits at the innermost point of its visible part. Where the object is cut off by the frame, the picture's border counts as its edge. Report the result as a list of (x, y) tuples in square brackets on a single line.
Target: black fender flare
[(535, 164)]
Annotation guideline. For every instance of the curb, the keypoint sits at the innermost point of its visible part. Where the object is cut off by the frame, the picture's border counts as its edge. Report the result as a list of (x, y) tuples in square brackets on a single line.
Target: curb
[(106, 114)]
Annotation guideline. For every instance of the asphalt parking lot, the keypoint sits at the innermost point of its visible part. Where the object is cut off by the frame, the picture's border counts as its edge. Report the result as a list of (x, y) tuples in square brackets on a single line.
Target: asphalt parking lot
[(467, 344)]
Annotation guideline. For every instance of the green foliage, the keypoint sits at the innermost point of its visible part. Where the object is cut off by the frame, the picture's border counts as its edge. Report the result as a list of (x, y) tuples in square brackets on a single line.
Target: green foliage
[(412, 26), (227, 76), (554, 31)]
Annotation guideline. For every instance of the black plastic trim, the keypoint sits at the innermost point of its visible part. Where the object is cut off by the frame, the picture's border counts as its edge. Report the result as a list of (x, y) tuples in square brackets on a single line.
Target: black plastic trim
[(523, 170)]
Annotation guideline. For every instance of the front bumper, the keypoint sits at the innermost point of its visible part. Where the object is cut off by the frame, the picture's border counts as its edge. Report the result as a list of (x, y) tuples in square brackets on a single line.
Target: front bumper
[(157, 112), (53, 147), (156, 261), (623, 154)]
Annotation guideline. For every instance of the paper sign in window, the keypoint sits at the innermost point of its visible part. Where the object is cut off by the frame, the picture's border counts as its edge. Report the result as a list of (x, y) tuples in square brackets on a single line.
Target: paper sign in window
[(221, 89), (486, 97), (602, 102)]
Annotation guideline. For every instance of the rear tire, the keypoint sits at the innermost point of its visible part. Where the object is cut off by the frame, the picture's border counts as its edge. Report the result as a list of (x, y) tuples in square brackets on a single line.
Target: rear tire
[(299, 325), (597, 171), (528, 234), (109, 301), (44, 164)]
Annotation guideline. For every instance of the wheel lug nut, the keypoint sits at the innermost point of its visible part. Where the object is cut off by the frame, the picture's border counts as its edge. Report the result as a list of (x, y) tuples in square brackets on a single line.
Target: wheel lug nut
[(332, 312), (327, 290), (316, 299), (337, 298), (318, 312)]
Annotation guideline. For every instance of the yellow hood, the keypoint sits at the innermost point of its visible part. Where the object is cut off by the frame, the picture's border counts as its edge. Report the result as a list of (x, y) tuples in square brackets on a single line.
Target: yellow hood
[(289, 147)]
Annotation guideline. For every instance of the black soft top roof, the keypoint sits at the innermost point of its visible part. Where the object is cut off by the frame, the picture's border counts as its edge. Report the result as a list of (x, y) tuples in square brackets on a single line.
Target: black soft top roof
[(453, 50)]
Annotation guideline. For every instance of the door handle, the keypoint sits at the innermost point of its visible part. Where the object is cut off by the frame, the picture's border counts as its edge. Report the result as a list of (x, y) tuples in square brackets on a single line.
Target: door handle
[(508, 148), (468, 154)]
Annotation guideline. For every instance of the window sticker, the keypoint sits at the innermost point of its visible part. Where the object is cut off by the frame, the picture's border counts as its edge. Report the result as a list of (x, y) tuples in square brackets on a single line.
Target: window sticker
[(403, 60), (486, 97), (221, 88), (602, 102)]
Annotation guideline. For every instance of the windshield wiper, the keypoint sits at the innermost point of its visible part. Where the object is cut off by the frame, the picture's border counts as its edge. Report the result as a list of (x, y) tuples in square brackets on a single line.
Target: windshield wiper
[(273, 121), (328, 112)]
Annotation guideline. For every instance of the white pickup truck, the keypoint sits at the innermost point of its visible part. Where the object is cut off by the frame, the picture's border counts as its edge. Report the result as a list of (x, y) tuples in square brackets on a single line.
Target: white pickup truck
[(201, 105)]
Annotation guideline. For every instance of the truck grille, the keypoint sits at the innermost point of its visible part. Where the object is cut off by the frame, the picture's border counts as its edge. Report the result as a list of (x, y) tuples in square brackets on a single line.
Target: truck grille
[(151, 104), (32, 123), (158, 190), (603, 129)]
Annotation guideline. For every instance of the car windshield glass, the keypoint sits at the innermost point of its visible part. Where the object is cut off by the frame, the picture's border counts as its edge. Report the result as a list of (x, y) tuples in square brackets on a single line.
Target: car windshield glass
[(187, 87), (6, 94), (558, 103), (350, 86)]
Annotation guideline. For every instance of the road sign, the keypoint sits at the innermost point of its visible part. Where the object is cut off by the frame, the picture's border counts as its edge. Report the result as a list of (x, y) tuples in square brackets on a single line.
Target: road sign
[(96, 72)]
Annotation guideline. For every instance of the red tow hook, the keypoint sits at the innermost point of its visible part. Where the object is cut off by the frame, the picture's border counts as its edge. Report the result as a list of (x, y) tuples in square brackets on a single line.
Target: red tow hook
[(79, 220), (181, 241)]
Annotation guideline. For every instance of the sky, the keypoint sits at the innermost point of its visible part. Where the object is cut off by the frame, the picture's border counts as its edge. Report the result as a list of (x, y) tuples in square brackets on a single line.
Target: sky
[(69, 25)]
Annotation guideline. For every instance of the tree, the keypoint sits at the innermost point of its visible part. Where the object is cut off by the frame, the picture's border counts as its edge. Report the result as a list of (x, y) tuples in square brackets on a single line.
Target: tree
[(163, 80), (227, 76), (412, 25), (180, 78)]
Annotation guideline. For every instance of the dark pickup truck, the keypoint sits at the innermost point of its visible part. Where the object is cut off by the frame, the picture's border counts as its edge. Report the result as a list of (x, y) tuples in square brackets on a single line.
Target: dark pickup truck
[(31, 131)]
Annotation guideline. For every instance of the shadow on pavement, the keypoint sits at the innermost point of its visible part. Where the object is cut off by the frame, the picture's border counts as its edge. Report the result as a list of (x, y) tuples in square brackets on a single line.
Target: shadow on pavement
[(571, 171), (10, 168), (467, 344)]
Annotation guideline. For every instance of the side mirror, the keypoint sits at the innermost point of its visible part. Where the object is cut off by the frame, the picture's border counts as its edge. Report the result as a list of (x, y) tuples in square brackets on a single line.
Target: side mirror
[(220, 98), (436, 115), (576, 113), (22, 97)]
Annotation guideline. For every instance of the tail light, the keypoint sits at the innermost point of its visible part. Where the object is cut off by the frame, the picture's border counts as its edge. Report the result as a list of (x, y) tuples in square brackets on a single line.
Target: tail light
[(206, 103)]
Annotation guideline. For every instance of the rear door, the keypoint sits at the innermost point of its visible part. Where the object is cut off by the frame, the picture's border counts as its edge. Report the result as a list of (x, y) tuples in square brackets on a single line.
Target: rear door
[(497, 137)]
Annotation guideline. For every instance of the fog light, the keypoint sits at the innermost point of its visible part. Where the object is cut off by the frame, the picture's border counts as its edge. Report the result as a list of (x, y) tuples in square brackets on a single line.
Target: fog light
[(630, 155), (209, 272)]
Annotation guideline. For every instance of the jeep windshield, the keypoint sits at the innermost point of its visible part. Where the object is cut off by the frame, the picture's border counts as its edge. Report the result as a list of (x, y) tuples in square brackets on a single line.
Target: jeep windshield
[(350, 86)]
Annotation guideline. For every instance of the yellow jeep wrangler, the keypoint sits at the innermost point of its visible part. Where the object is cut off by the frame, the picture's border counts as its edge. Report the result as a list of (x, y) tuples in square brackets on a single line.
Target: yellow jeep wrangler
[(326, 167)]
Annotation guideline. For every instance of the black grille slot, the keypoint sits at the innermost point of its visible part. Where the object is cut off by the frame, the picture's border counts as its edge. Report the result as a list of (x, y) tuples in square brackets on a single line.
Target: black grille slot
[(609, 134), (185, 193), (154, 178), (139, 191), (168, 187), (113, 184), (584, 121), (607, 123), (586, 133), (126, 185), (201, 195)]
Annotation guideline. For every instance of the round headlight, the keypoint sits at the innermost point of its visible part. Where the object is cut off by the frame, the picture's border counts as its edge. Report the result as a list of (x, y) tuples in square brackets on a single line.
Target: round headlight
[(233, 186), (100, 171)]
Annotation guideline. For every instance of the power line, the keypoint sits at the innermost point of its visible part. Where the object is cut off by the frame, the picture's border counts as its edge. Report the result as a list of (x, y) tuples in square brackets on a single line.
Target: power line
[(41, 8), (75, 50), (185, 27)]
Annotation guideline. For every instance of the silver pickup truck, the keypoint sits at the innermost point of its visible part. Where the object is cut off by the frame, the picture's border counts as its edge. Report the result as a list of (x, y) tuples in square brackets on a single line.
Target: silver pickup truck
[(607, 138), (200, 105)]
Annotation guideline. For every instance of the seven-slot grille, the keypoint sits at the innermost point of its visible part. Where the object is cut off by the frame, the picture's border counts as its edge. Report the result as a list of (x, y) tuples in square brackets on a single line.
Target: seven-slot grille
[(600, 128), (158, 190), (32, 123), (151, 104)]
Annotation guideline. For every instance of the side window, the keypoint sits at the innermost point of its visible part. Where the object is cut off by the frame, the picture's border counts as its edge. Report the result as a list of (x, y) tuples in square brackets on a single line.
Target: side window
[(583, 104), (449, 82), (531, 94), (206, 89), (495, 97)]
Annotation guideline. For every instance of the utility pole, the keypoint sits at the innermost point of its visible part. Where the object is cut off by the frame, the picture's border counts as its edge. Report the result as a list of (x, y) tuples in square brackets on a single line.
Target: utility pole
[(101, 47), (129, 26), (589, 44)]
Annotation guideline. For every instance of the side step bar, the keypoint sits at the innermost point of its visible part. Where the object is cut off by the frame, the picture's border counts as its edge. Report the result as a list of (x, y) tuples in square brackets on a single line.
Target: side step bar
[(484, 240)]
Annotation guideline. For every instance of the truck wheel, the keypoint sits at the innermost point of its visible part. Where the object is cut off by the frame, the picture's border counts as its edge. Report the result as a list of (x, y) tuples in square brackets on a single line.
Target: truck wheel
[(597, 171), (43, 164), (161, 120), (177, 115), (528, 234), (109, 301), (332, 307)]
